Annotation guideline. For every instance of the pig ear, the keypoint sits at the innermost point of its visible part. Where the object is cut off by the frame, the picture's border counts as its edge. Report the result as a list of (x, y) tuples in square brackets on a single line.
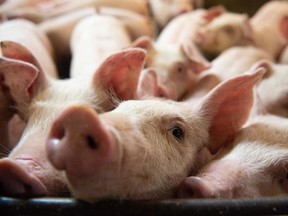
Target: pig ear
[(258, 108), (143, 42), (120, 73), (284, 27), (198, 61), (266, 65), (227, 108), (17, 78), (147, 86), (214, 12), (16, 51)]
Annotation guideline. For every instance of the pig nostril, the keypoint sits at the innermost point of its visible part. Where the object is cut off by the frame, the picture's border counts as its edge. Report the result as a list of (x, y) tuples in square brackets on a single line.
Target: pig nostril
[(91, 142)]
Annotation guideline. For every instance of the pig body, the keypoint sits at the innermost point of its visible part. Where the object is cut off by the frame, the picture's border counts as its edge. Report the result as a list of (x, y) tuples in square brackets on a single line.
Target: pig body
[(275, 101), (60, 28), (93, 40), (37, 100), (272, 17), (152, 143), (54, 8), (212, 30), (254, 165)]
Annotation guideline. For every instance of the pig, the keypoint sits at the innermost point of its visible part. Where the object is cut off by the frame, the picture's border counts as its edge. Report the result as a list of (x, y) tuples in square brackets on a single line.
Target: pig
[(213, 30), (95, 38), (60, 28), (54, 8), (253, 165), (144, 148), (175, 67), (37, 99), (228, 65), (27, 34), (272, 17)]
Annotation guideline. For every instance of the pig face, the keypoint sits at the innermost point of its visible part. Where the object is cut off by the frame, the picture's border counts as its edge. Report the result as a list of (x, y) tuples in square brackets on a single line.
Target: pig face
[(151, 143), (175, 67), (163, 10), (224, 31), (254, 165), (38, 99)]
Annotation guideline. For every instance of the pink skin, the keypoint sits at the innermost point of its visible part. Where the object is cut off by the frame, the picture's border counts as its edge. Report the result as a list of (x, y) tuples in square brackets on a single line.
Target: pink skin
[(152, 143), (39, 99), (254, 165), (272, 17), (175, 68)]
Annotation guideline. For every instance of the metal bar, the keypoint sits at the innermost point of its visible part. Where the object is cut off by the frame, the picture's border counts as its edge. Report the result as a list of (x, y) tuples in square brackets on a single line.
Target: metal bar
[(221, 207)]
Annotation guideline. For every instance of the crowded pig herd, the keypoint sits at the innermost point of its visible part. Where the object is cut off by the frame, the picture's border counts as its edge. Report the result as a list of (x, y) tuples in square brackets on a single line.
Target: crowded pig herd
[(163, 99)]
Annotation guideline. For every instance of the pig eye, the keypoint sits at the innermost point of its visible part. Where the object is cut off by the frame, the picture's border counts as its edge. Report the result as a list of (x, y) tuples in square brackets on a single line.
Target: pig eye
[(178, 133), (229, 30), (180, 68)]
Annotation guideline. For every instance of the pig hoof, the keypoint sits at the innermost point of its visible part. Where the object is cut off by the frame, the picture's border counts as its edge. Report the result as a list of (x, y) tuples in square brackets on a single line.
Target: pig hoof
[(16, 181)]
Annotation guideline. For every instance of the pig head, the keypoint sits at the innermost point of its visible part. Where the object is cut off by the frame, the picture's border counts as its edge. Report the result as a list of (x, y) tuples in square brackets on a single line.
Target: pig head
[(173, 68), (144, 148), (37, 99)]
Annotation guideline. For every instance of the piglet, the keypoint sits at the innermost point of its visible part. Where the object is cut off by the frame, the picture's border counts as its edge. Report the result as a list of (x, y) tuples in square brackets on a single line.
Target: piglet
[(253, 165), (143, 148), (269, 25), (213, 30), (172, 68), (38, 99)]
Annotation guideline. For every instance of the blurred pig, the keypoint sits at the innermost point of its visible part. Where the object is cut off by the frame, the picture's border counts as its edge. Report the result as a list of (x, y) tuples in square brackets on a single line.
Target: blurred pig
[(60, 28), (212, 30), (230, 63), (38, 99), (151, 143), (283, 59), (253, 165), (95, 38), (270, 27), (173, 68), (54, 8)]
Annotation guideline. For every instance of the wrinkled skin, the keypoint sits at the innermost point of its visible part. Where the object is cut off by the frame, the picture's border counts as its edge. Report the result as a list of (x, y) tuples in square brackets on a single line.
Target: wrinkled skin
[(152, 143)]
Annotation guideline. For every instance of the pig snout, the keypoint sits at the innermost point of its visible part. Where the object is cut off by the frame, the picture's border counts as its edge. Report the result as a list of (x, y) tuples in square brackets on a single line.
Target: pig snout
[(79, 142), (17, 181), (195, 187)]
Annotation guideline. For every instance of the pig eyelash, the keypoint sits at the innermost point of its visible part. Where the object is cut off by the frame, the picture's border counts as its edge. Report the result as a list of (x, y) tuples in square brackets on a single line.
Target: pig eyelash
[(4, 151)]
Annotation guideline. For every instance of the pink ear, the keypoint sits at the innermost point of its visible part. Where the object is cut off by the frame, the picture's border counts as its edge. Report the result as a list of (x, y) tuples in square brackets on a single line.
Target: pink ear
[(198, 61), (143, 42), (247, 30), (214, 12), (120, 72), (228, 107), (284, 27), (16, 51), (147, 85), (17, 78), (263, 63)]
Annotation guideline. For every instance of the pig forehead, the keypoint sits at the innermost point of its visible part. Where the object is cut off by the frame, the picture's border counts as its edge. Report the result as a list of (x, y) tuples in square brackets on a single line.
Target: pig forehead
[(228, 19), (153, 107)]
